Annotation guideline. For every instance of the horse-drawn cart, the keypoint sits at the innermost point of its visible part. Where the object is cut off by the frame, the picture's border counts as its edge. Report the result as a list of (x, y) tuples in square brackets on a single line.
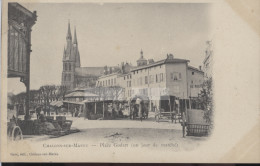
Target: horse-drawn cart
[(17, 129), (14, 132), (167, 109), (139, 107)]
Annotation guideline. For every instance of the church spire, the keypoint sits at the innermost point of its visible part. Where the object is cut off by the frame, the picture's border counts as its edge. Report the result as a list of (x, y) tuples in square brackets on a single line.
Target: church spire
[(69, 32), (75, 37)]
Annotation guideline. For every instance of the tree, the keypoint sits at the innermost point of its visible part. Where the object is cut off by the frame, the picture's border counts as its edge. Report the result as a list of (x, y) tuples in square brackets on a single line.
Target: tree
[(205, 99), (47, 91), (61, 91)]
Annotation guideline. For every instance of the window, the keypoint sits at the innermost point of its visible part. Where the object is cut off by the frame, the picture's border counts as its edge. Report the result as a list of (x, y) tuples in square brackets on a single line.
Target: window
[(108, 82), (192, 73), (161, 77), (112, 82), (146, 80), (115, 81), (69, 67), (65, 66), (191, 81), (175, 76), (129, 83), (156, 78)]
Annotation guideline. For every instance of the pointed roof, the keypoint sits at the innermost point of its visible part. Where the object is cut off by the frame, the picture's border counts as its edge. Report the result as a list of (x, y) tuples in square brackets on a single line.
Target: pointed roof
[(69, 32), (75, 37)]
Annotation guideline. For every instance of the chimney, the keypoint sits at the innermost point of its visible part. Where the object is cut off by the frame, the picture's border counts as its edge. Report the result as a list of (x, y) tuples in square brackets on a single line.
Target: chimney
[(200, 67), (169, 56), (150, 61)]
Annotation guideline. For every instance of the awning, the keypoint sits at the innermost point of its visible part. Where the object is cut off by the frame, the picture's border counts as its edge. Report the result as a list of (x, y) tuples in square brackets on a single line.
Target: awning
[(97, 101), (56, 103), (80, 94), (140, 97), (73, 102)]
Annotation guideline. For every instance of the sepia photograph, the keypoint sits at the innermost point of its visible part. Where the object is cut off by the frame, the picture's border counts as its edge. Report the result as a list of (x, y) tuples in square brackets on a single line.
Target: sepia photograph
[(107, 78)]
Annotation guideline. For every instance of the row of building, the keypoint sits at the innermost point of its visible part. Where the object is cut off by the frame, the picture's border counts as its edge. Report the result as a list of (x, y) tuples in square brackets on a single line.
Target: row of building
[(169, 76)]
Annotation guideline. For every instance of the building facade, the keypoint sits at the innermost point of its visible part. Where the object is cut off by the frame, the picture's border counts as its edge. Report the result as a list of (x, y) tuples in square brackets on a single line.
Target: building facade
[(195, 81), (170, 76), (20, 22)]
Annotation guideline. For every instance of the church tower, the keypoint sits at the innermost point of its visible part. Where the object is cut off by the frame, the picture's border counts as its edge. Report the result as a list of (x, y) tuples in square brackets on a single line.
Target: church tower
[(141, 61), (71, 60)]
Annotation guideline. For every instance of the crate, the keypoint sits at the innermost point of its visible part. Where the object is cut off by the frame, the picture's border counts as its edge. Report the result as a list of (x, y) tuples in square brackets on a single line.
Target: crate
[(49, 118), (27, 127), (66, 125), (198, 130), (61, 118)]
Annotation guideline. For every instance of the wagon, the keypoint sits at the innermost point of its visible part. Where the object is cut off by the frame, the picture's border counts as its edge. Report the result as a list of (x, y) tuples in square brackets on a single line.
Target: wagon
[(14, 132), (167, 109), (139, 107)]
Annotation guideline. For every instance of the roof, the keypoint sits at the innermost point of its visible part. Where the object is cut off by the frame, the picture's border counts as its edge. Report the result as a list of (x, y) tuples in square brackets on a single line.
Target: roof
[(160, 63), (108, 75), (194, 68), (57, 103), (80, 94), (87, 71), (23, 9), (73, 102)]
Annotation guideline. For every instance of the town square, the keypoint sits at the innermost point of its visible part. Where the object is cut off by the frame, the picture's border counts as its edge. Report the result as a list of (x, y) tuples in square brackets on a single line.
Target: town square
[(107, 85)]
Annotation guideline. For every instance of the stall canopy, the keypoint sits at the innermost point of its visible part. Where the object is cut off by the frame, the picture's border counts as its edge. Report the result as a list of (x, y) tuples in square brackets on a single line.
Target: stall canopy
[(56, 103), (80, 94), (140, 97), (73, 102)]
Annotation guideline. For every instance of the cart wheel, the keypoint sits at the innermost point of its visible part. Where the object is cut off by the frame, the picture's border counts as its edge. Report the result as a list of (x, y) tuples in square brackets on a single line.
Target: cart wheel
[(17, 134)]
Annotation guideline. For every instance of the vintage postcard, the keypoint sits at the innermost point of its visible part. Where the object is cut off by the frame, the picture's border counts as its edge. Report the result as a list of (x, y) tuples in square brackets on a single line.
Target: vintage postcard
[(130, 81)]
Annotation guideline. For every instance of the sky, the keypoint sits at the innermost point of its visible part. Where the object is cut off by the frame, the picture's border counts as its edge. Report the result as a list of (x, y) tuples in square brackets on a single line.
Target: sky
[(109, 34)]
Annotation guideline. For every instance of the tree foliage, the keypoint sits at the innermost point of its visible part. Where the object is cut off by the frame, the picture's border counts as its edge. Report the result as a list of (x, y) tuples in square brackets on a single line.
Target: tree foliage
[(205, 99)]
